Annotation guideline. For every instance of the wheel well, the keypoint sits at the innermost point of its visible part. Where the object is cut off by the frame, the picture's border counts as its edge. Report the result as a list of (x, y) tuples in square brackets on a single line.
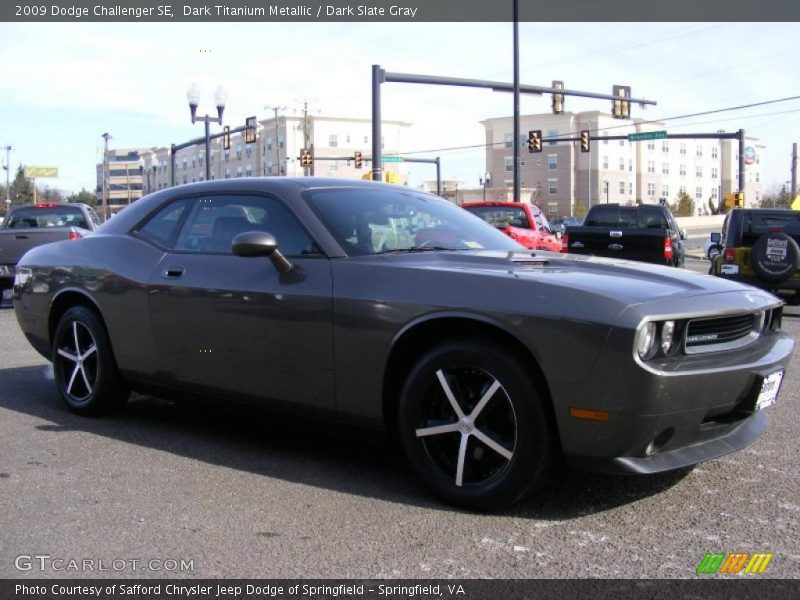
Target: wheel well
[(425, 335), (66, 301)]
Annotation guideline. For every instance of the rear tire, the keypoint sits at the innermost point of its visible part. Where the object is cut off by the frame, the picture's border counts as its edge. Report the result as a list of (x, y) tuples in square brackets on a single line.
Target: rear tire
[(86, 373), (474, 426)]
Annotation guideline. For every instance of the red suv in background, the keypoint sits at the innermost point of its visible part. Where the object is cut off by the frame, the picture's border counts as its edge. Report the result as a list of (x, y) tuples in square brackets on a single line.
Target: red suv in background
[(524, 223)]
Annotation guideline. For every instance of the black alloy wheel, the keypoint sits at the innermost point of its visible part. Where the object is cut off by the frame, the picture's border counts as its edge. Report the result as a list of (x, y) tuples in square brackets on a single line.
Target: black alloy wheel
[(86, 374), (473, 425)]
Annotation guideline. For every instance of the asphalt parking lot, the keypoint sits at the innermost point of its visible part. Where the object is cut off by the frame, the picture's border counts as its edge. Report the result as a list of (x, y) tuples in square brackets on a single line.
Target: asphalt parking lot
[(245, 494)]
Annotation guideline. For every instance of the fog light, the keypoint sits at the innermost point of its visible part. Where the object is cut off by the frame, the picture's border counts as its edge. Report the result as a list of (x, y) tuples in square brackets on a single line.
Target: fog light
[(646, 340), (667, 334)]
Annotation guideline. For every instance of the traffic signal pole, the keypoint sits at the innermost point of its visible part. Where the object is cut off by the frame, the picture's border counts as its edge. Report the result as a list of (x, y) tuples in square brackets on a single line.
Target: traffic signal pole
[(206, 139)]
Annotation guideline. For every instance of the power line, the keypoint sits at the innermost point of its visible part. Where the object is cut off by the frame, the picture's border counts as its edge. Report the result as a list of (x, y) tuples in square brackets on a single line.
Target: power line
[(656, 121)]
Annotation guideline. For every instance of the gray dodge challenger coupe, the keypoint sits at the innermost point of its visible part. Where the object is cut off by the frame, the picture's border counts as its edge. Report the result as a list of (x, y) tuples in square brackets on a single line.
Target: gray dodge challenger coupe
[(378, 305)]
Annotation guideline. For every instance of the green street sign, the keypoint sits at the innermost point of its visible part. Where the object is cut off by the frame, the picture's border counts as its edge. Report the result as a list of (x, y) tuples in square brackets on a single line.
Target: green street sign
[(392, 159), (647, 135)]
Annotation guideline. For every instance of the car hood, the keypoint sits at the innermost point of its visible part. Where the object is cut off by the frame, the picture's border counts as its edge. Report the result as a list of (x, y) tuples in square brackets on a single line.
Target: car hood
[(625, 282)]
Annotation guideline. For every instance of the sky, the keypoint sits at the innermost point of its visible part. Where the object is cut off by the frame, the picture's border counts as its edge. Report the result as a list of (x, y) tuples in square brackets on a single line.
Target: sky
[(62, 85)]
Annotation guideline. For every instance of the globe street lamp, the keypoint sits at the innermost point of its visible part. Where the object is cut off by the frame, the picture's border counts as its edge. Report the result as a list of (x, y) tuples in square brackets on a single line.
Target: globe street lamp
[(193, 96)]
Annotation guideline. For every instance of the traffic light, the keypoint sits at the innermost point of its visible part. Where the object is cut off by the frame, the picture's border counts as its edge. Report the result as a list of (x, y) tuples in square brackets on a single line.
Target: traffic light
[(621, 105), (738, 198), (535, 140), (226, 138), (250, 132), (558, 99), (358, 160), (305, 157), (585, 141)]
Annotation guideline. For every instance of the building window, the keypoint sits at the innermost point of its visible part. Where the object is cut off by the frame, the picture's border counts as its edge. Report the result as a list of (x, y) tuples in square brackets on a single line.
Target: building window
[(651, 145), (713, 192), (333, 140), (248, 170), (552, 134), (347, 139), (552, 162), (758, 177), (698, 171), (333, 166), (622, 143), (200, 160), (605, 162), (665, 191), (552, 186), (238, 153), (651, 166), (621, 187), (605, 141), (630, 188), (238, 171), (651, 189), (714, 152), (383, 142), (227, 155), (682, 189), (248, 151), (366, 139), (630, 165), (184, 165), (699, 152), (227, 173), (194, 160), (509, 140), (280, 141), (682, 170), (683, 150), (665, 168), (714, 173), (184, 179), (698, 193), (665, 147), (621, 164), (509, 164)]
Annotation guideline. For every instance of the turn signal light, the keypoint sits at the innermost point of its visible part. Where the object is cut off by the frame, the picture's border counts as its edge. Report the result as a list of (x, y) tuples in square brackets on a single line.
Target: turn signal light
[(74, 235), (668, 254), (729, 255), (565, 242)]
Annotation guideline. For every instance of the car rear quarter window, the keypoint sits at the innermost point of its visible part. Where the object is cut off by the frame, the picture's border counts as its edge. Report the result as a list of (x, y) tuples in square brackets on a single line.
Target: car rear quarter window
[(162, 227)]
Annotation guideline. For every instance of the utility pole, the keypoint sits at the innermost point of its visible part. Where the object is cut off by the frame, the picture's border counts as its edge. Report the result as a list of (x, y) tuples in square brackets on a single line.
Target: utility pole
[(7, 167), (277, 145), (517, 191), (793, 191), (106, 136)]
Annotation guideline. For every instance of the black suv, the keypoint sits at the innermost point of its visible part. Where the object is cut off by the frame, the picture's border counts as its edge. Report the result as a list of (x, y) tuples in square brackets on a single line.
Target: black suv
[(760, 248)]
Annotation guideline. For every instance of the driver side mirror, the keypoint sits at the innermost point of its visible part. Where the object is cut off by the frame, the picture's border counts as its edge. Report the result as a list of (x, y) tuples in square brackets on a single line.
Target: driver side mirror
[(684, 235), (716, 237), (260, 243)]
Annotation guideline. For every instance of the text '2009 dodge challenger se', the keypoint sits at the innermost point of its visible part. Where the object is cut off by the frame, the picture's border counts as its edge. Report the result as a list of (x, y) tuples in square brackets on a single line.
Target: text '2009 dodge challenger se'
[(379, 305)]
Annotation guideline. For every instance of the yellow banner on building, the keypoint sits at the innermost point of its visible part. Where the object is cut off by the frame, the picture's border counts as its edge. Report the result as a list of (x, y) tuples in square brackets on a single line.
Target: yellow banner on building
[(796, 203), (34, 172)]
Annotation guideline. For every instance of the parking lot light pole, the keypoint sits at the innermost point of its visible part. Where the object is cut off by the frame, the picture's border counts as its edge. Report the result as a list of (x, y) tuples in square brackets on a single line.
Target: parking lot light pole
[(193, 95)]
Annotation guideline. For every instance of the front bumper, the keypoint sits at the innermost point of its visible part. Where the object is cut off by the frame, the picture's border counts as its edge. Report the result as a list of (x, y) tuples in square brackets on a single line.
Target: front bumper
[(671, 416)]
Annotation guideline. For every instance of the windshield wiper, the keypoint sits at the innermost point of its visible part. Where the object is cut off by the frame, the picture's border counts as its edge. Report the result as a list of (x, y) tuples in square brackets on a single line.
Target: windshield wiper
[(414, 249)]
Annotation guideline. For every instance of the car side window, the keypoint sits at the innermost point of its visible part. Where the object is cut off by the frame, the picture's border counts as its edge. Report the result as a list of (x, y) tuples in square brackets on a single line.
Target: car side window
[(162, 227), (214, 220)]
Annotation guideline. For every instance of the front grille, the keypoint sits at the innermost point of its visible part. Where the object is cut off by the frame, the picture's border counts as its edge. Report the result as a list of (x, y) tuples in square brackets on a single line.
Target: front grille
[(722, 333)]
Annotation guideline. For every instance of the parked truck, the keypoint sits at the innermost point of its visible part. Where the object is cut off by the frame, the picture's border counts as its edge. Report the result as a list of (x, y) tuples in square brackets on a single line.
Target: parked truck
[(26, 227), (644, 232), (522, 222)]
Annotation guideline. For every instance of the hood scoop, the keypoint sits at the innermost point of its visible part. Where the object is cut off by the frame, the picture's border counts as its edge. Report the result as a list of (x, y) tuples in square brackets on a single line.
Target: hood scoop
[(528, 260)]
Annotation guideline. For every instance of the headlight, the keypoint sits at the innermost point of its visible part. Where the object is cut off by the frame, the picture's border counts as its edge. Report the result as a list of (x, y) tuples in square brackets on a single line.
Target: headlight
[(646, 340), (667, 334)]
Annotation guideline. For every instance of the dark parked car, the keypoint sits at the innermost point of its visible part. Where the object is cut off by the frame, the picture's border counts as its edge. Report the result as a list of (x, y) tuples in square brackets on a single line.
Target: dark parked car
[(375, 304), (759, 246), (647, 233)]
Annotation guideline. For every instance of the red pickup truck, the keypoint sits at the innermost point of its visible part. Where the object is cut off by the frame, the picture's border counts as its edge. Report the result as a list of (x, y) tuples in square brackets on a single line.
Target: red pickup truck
[(524, 223)]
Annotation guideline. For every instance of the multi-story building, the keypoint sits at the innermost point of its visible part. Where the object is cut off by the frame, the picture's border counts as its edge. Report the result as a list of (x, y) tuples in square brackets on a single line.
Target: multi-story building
[(276, 152), (562, 177), (124, 177)]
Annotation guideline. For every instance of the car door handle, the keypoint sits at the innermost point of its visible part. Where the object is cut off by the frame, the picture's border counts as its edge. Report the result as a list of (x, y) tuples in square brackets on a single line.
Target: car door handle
[(174, 272), (615, 246), (20, 237)]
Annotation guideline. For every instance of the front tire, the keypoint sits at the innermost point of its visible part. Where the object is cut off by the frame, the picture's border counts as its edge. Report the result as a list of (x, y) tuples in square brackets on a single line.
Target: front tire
[(474, 425), (86, 373)]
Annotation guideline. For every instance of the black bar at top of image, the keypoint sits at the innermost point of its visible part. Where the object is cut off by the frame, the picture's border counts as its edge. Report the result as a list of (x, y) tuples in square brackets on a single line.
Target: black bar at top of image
[(711, 587), (31, 11)]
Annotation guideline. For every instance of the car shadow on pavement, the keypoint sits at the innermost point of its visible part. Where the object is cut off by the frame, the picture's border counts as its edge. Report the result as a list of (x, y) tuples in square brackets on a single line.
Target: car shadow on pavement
[(302, 450)]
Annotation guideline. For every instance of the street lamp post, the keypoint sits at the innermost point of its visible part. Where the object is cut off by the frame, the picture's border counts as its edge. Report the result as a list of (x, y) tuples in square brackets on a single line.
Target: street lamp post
[(485, 182), (193, 95), (275, 109), (606, 186)]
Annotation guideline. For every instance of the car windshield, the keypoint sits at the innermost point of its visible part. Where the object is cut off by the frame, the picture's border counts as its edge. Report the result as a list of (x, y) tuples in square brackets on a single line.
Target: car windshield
[(501, 216), (47, 216), (375, 221)]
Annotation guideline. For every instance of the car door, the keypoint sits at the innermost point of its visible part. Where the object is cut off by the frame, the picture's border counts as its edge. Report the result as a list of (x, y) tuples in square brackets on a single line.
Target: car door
[(234, 325)]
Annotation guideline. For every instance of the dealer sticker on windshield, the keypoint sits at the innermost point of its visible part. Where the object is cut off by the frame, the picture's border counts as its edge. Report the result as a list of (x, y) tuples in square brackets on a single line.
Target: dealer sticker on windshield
[(769, 390)]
